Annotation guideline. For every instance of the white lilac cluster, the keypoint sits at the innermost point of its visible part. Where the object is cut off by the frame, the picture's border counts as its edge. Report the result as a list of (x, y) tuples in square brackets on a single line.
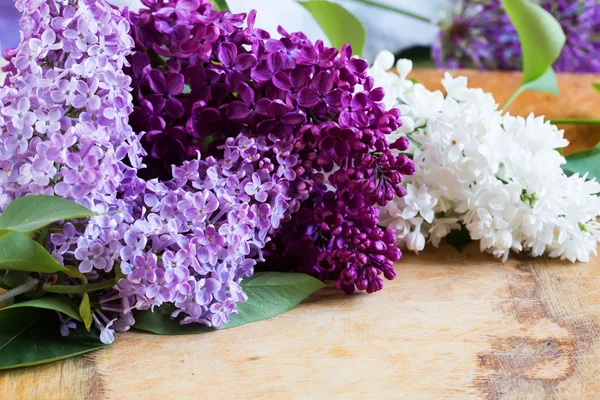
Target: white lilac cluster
[(496, 175)]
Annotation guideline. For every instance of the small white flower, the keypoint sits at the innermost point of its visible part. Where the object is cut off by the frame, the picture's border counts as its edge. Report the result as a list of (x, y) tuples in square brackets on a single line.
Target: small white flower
[(418, 201), (404, 66), (415, 240)]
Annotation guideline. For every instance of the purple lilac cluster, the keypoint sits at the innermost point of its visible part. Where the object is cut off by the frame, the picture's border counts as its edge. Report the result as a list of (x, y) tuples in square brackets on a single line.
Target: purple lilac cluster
[(65, 104), (201, 76), (188, 241), (478, 34), (64, 130)]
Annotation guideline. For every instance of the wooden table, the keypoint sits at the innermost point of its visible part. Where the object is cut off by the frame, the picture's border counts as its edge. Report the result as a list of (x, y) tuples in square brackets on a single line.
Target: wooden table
[(452, 325)]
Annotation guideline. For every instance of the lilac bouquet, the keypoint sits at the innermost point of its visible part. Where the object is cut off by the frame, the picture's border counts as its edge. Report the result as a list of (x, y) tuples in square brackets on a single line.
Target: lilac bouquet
[(315, 105), (152, 161)]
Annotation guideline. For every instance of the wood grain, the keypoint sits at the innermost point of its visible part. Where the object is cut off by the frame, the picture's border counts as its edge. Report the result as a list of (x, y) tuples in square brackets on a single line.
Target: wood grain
[(452, 325)]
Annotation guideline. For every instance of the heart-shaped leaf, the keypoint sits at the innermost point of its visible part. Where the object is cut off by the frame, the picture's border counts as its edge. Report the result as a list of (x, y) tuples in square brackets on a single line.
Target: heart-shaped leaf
[(19, 252), (32, 336), (542, 39), (339, 24), (540, 34), (51, 302), (26, 214), (269, 294)]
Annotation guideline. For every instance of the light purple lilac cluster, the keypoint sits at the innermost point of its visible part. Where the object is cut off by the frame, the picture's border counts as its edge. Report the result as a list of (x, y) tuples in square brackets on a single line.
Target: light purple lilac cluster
[(64, 129), (201, 76), (478, 34), (195, 237), (65, 105)]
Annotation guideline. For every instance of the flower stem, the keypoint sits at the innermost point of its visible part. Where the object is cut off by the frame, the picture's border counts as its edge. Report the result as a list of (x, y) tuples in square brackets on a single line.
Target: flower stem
[(397, 10), (512, 98), (78, 289), (575, 121), (29, 285)]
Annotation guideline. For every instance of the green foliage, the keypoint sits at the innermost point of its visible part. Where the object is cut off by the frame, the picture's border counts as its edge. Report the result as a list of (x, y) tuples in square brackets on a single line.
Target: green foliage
[(51, 302), (85, 311), (269, 294), (31, 336), (596, 86), (220, 5), (12, 279), (29, 213), (20, 253), (459, 238), (582, 162), (542, 40), (541, 36), (545, 83), (339, 24)]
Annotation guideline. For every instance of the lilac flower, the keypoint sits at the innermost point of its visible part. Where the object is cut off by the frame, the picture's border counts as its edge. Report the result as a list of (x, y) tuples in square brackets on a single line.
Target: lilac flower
[(134, 245), (47, 42), (205, 288), (165, 91), (20, 114), (91, 258), (81, 170), (258, 189), (48, 123), (176, 265), (64, 239), (87, 97)]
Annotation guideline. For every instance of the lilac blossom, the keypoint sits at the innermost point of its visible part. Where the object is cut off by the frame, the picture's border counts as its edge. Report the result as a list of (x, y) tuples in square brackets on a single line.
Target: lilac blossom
[(53, 141)]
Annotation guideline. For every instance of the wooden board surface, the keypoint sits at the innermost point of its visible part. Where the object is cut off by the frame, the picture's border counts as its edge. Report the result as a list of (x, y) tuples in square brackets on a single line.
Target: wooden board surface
[(452, 325)]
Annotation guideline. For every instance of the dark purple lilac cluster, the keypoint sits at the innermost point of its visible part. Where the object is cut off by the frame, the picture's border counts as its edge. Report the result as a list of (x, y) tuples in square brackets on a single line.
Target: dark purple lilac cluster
[(201, 76), (480, 35)]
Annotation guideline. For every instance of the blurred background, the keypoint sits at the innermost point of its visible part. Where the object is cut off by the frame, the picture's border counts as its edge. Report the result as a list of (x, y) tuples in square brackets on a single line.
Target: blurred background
[(385, 29), (475, 34)]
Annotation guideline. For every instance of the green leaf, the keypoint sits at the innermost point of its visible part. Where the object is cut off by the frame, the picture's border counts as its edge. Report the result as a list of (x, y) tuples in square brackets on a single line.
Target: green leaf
[(596, 86), (26, 214), (339, 24), (221, 5), (459, 238), (12, 279), (541, 36), (542, 40), (73, 272), (582, 162), (545, 83), (32, 336), (21, 253), (269, 294), (85, 311), (51, 302)]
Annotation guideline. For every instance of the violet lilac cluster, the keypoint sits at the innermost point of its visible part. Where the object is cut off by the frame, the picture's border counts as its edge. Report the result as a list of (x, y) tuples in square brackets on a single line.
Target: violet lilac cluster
[(479, 34), (201, 76)]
